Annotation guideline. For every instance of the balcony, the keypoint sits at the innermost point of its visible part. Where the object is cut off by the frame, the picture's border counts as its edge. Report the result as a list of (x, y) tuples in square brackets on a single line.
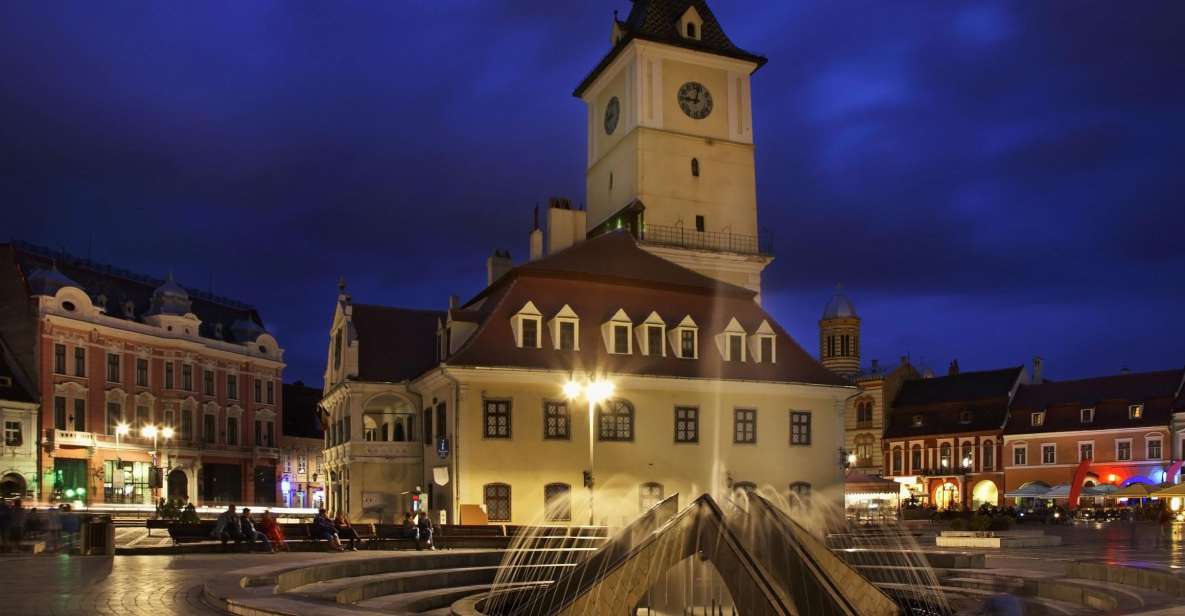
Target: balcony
[(716, 241), (374, 449), (70, 438)]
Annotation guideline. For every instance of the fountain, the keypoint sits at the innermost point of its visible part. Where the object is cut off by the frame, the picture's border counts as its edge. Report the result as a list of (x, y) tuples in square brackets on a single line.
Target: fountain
[(750, 557)]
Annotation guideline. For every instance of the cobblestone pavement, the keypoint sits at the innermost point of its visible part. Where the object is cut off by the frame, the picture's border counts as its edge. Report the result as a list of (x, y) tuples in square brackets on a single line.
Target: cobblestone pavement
[(123, 585)]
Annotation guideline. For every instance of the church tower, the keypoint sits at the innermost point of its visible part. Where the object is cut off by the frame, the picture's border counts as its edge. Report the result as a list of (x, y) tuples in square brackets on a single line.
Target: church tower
[(839, 336), (670, 141)]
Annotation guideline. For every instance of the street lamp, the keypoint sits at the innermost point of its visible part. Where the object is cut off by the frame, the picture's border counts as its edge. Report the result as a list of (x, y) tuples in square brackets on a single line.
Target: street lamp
[(595, 392), (121, 429)]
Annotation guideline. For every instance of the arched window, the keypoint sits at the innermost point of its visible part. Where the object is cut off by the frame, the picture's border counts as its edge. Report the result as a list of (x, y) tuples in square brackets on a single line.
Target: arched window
[(864, 443), (616, 420), (557, 502), (497, 501), (695, 167), (690, 30), (944, 456), (897, 460), (800, 495), (388, 418), (989, 456), (649, 495), (915, 459), (864, 412)]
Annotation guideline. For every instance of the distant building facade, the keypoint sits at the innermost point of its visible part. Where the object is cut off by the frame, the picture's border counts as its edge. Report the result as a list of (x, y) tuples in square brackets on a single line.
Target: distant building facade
[(943, 441), (107, 347), (19, 412), (302, 468), (1119, 425), (866, 414)]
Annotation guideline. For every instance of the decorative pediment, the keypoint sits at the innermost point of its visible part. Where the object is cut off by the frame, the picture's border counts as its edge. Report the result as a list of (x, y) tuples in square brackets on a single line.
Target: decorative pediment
[(116, 395)]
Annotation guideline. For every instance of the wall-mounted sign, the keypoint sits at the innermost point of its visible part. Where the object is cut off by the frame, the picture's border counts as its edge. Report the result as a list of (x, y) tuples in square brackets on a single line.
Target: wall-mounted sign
[(442, 447)]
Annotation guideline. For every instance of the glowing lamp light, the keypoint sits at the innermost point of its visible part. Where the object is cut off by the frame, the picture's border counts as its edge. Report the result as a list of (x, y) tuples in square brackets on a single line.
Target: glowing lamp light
[(122, 429), (852, 458), (148, 431), (69, 492), (967, 461), (285, 486), (1112, 477), (598, 391), (80, 491), (166, 432), (1175, 503), (572, 389)]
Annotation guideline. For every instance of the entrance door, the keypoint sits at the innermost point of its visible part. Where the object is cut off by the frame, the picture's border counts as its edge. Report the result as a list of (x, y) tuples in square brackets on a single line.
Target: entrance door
[(12, 485), (178, 485), (221, 483), (265, 485), (947, 496), (69, 479)]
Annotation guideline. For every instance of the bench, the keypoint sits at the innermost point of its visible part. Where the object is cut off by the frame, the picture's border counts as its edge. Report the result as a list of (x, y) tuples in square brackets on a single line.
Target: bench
[(157, 525), (197, 531)]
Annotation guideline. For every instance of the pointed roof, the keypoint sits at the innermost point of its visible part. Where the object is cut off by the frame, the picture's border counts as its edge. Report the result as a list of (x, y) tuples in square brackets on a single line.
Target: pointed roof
[(658, 21), (394, 344), (840, 306), (1109, 396)]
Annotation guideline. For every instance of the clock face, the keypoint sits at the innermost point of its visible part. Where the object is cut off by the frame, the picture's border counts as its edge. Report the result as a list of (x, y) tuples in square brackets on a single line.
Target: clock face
[(612, 113), (695, 100)]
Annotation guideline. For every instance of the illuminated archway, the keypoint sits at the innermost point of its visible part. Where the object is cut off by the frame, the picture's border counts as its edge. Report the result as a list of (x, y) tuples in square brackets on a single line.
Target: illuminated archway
[(946, 496), (985, 493)]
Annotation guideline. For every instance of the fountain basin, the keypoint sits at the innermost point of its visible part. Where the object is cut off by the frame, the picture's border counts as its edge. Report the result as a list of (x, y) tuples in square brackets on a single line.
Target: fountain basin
[(995, 539)]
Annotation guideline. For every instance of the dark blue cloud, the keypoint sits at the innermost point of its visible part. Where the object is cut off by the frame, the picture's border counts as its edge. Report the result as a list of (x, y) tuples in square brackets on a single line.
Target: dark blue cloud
[(990, 180)]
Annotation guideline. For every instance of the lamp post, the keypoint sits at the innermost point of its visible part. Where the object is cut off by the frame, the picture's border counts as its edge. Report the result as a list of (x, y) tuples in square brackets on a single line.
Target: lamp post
[(154, 433), (121, 429), (595, 392)]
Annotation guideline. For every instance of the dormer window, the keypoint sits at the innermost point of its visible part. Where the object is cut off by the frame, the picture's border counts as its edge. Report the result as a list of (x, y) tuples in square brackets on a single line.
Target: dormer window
[(565, 330), (526, 325), (1086, 415), (129, 310), (684, 339), (652, 335), (691, 25), (1037, 419), (617, 334), (1135, 411), (965, 417), (732, 342), (916, 421), (761, 344)]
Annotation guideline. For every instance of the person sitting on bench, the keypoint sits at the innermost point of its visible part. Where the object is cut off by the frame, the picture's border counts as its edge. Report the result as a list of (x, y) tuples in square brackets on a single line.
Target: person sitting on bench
[(342, 525), (322, 528), (250, 535), (226, 527)]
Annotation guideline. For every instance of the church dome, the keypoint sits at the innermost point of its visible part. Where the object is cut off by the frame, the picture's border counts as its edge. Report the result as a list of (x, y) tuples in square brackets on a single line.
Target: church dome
[(48, 281), (170, 298), (840, 306)]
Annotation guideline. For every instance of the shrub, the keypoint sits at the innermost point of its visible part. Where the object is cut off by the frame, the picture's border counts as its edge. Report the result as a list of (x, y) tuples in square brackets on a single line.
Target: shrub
[(980, 523), (958, 524), (1000, 522)]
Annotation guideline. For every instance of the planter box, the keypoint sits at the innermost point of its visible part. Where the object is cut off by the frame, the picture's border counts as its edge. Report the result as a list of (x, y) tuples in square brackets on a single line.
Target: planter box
[(995, 539)]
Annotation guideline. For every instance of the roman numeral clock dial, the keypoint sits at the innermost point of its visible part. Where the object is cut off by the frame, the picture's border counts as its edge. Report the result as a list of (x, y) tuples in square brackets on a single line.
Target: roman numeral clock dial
[(695, 100)]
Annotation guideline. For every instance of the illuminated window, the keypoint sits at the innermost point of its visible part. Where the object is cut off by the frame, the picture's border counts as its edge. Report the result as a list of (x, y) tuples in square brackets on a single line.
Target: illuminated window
[(1037, 419), (1153, 448), (1049, 454), (497, 418), (556, 421), (1086, 415), (616, 420), (1085, 451), (744, 426), (686, 424), (1135, 411), (497, 502), (1020, 455), (800, 428)]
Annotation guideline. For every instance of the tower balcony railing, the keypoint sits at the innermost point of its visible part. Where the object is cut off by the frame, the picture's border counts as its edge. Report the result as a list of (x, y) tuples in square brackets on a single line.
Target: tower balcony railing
[(717, 241)]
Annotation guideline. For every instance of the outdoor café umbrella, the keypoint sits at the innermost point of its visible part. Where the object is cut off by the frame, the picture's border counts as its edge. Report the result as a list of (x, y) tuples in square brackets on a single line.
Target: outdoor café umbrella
[(1133, 490), (1171, 492), (1033, 490)]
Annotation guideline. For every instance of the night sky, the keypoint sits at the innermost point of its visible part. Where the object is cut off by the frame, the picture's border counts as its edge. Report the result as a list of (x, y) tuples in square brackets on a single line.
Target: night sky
[(989, 181)]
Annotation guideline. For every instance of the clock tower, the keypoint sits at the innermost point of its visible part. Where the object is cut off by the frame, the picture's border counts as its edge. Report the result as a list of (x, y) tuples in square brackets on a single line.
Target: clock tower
[(670, 141)]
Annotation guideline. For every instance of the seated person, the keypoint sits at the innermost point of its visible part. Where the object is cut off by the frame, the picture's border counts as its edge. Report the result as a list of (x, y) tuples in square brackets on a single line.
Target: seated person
[(344, 531), (226, 527), (272, 530), (322, 528), (250, 535)]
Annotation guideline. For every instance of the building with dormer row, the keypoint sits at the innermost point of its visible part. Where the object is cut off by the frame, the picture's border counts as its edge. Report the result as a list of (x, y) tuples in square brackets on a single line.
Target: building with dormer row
[(108, 353)]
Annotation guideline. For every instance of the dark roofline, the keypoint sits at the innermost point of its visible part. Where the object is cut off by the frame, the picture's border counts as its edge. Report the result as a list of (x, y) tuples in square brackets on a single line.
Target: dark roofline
[(118, 272)]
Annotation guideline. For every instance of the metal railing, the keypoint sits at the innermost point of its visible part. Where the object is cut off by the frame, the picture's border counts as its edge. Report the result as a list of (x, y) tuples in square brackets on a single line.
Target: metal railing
[(682, 237)]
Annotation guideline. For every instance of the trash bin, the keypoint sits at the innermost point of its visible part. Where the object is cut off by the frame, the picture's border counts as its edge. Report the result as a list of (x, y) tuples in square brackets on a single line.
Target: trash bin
[(98, 536)]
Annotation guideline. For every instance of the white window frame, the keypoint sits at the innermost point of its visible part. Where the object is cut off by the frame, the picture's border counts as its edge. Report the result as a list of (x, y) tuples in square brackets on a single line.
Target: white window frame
[(724, 340), (984, 446), (608, 333), (1092, 450), (1037, 419), (1023, 447), (676, 337), (1043, 447), (565, 315), (642, 331), (1135, 411), (527, 313), (1148, 439), (1086, 415), (763, 332), (1118, 441)]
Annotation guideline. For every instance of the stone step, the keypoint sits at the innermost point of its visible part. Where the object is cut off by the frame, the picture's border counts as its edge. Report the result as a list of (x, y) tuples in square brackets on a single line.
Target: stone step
[(361, 588), (1034, 606), (422, 601)]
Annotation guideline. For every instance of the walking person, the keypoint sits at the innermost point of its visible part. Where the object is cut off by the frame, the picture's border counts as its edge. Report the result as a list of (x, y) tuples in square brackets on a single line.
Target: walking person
[(1164, 530), (344, 531)]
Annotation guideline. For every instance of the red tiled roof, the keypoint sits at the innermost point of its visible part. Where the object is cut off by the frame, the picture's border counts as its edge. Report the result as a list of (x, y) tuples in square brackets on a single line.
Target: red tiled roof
[(394, 344), (1109, 396), (600, 276)]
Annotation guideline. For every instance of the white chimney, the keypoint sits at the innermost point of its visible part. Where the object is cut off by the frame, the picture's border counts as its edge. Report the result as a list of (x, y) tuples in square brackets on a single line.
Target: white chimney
[(497, 265), (565, 225), (1038, 370)]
